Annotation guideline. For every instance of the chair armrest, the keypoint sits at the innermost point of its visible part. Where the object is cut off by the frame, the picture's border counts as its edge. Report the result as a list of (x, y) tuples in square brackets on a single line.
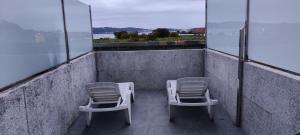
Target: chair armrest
[(171, 93), (209, 100), (168, 84), (131, 88), (127, 100), (84, 108)]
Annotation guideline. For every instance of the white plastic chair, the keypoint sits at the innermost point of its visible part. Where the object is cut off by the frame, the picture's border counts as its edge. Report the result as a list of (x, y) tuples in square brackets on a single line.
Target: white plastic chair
[(103, 93), (189, 88)]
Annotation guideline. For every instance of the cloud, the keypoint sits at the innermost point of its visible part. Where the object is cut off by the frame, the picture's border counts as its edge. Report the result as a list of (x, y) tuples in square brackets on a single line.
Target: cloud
[(148, 13)]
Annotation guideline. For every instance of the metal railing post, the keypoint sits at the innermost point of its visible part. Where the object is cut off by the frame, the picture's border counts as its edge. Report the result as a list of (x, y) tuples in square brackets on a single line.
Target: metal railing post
[(65, 31), (240, 77), (91, 24)]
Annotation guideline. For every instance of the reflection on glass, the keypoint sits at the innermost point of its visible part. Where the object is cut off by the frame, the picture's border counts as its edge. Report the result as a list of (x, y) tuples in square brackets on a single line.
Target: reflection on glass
[(224, 20), (274, 34), (78, 27), (31, 38)]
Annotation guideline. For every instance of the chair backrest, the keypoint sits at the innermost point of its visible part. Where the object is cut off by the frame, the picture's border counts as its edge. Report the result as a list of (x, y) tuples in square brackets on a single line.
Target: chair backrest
[(104, 91), (192, 86)]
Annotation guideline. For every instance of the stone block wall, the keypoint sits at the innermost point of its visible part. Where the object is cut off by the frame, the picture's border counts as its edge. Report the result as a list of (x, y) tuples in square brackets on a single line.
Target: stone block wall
[(149, 69), (48, 103), (222, 70), (271, 101), (271, 98)]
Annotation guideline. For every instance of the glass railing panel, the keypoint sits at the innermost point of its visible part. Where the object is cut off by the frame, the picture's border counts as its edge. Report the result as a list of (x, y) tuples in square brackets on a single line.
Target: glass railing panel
[(225, 18), (78, 27), (31, 38), (274, 33)]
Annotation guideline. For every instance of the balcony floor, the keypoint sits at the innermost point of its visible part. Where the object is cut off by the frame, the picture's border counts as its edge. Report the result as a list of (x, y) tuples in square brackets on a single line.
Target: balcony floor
[(150, 117)]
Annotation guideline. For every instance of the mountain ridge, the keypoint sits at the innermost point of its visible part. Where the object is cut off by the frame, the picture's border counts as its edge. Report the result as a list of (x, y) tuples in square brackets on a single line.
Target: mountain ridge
[(110, 30)]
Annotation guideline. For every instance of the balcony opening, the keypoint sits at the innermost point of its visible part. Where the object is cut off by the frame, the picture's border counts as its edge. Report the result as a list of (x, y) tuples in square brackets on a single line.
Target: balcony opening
[(125, 25), (239, 77)]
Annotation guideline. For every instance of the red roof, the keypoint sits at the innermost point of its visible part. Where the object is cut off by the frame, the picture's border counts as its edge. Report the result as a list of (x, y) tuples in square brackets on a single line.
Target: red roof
[(199, 30)]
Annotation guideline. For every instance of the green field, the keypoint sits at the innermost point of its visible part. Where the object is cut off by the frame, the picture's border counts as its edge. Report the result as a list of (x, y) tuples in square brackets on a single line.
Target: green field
[(167, 39)]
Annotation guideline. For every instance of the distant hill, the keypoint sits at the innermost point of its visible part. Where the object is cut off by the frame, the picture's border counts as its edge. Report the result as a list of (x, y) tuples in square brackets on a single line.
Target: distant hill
[(107, 30)]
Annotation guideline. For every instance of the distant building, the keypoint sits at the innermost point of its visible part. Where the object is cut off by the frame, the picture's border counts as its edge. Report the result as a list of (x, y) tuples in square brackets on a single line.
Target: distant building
[(198, 31)]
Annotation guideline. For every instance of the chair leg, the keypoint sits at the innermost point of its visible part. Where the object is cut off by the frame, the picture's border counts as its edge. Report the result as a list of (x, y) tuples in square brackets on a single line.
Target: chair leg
[(128, 115), (132, 92), (128, 110), (210, 112), (167, 98), (132, 98), (171, 117), (89, 118)]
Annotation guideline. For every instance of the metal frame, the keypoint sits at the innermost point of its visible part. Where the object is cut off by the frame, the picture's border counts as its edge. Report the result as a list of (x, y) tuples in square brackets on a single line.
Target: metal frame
[(91, 23), (26, 79), (65, 31), (206, 23), (247, 29), (223, 52), (242, 52), (243, 57), (81, 55), (93, 44), (205, 46), (274, 67)]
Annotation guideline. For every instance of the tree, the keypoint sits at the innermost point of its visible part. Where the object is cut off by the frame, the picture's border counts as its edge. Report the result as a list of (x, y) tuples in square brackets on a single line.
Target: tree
[(161, 32), (174, 34), (151, 37), (183, 32), (121, 35), (143, 36), (134, 36)]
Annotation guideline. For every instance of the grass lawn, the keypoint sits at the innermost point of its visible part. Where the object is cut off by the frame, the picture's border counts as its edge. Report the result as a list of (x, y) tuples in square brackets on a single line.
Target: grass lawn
[(167, 39)]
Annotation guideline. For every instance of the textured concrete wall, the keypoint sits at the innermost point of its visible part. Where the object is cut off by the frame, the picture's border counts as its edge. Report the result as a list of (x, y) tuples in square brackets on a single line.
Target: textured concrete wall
[(149, 69), (222, 71), (47, 104), (13, 113), (271, 101)]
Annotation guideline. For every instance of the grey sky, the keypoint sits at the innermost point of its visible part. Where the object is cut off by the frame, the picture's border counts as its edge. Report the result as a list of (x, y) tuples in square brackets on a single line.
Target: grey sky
[(148, 13)]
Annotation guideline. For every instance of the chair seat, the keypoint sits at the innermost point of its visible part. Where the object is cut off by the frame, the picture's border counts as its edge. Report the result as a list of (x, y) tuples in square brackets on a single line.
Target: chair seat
[(189, 96), (107, 93)]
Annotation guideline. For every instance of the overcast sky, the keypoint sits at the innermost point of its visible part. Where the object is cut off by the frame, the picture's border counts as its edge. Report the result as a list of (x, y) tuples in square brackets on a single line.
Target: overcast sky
[(148, 13)]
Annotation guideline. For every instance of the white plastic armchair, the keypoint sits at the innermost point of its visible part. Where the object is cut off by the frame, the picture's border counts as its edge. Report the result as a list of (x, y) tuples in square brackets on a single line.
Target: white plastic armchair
[(120, 94), (174, 99)]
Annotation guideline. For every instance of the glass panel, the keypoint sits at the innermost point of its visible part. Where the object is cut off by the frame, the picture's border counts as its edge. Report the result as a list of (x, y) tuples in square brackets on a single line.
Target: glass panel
[(78, 27), (224, 20), (274, 33), (31, 38)]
